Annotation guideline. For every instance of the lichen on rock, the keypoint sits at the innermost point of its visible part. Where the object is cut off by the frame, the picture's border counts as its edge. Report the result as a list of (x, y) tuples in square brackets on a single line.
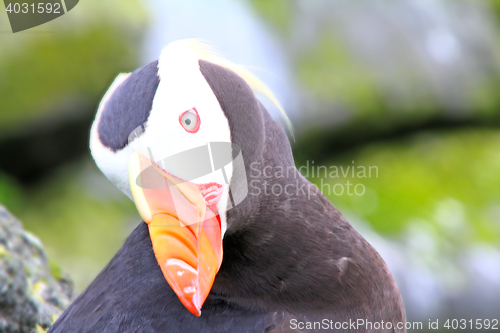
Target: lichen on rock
[(31, 298)]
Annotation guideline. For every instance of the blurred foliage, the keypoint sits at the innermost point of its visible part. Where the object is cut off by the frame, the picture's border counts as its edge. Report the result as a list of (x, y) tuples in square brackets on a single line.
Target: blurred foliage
[(10, 193), (87, 48), (332, 73), (278, 12), (50, 69), (335, 77), (495, 8), (415, 177), (347, 87), (486, 99)]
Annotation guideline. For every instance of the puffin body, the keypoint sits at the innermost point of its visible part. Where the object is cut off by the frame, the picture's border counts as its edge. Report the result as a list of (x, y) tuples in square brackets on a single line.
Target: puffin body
[(242, 243)]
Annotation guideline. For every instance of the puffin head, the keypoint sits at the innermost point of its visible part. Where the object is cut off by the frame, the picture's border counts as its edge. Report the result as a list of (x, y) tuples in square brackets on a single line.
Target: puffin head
[(165, 136)]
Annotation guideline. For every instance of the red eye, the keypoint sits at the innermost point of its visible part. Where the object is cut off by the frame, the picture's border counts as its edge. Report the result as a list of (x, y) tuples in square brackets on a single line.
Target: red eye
[(190, 120)]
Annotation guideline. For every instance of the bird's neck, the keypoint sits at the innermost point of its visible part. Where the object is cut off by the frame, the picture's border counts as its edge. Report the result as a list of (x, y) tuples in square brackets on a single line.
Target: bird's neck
[(288, 247)]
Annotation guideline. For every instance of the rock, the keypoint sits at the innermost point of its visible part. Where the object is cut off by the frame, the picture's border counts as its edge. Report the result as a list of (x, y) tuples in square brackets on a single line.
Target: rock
[(33, 292)]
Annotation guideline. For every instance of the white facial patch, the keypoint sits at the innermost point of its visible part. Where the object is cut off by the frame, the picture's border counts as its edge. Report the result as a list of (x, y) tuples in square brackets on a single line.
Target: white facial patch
[(182, 87), (113, 165)]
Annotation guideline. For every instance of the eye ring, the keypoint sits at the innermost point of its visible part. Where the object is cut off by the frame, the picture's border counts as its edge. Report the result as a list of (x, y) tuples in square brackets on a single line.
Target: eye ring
[(190, 120)]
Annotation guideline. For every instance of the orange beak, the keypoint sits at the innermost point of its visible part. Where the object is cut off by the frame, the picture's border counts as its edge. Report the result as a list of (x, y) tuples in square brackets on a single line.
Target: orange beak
[(185, 231)]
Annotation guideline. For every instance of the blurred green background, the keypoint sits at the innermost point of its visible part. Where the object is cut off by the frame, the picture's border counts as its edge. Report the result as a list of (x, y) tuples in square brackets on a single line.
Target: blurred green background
[(411, 88)]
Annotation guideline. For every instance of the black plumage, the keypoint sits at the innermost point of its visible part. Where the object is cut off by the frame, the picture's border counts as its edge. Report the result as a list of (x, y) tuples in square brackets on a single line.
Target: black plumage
[(129, 107), (132, 295)]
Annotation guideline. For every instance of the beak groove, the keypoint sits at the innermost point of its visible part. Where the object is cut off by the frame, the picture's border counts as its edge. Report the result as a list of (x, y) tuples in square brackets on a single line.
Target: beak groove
[(185, 232)]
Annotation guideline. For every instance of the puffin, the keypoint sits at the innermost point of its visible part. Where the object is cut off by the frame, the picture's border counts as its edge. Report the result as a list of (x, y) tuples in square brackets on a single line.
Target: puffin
[(233, 239)]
